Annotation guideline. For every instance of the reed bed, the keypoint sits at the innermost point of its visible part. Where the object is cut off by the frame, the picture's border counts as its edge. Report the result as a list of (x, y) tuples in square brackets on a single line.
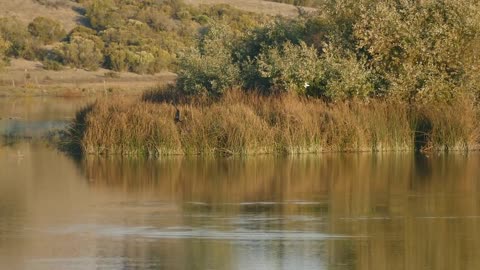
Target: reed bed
[(242, 123)]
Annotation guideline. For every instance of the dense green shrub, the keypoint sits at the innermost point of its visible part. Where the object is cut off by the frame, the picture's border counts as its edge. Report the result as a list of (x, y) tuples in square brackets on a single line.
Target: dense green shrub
[(46, 30), (83, 52), (4, 46), (209, 68), (289, 67), (21, 42), (52, 58), (422, 49), (341, 76)]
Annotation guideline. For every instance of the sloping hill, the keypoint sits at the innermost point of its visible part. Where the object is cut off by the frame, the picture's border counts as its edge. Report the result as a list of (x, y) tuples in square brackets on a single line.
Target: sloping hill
[(65, 11), (266, 7)]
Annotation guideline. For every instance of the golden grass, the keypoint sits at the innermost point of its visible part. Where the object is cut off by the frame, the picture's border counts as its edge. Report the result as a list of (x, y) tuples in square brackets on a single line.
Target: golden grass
[(242, 123), (27, 10), (257, 6)]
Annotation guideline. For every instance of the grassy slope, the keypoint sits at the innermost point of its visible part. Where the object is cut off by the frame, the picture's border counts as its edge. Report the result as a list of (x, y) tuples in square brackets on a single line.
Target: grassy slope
[(27, 10), (271, 8)]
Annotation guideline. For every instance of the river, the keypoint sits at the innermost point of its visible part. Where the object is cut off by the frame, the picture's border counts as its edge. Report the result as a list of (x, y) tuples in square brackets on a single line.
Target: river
[(329, 211)]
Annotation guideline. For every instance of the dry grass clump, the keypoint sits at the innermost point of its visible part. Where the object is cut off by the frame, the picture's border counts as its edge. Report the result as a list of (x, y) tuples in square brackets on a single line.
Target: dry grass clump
[(247, 123), (448, 127), (126, 127)]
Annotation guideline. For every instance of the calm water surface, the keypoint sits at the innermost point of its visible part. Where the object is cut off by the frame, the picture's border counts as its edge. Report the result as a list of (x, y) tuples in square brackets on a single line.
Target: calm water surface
[(356, 211)]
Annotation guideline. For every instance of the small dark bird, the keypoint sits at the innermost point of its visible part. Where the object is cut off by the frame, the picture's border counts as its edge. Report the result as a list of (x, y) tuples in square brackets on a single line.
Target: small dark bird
[(177, 116)]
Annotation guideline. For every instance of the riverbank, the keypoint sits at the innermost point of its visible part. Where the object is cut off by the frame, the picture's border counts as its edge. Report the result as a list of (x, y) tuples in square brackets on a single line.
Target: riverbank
[(248, 124), (24, 78)]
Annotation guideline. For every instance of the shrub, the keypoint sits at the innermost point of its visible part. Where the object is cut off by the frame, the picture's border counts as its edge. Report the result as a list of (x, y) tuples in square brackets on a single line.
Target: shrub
[(49, 64), (82, 52), (101, 16), (289, 68), (116, 58), (419, 48), (210, 68), (341, 77), (21, 42), (46, 30), (4, 46)]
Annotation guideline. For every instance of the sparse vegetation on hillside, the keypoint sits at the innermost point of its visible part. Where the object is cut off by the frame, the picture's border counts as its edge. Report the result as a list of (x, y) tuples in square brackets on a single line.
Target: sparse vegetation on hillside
[(4, 46), (46, 30), (141, 37), (303, 3)]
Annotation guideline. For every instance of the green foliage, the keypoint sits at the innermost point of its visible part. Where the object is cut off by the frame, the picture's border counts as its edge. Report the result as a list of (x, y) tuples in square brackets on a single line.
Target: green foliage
[(21, 42), (209, 68), (425, 42), (46, 30), (418, 51), (341, 76), (49, 64), (4, 46), (289, 68), (83, 52), (101, 15)]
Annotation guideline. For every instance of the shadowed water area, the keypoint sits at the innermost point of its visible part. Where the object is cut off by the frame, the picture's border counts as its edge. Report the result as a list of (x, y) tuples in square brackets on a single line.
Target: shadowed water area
[(331, 211)]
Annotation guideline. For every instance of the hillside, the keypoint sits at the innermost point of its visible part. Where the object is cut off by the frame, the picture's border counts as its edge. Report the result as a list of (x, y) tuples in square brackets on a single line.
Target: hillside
[(265, 7), (64, 11), (69, 12), (159, 43)]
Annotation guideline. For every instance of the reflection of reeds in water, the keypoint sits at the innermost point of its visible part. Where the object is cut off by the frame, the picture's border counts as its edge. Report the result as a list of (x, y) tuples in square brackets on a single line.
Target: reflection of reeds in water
[(408, 212)]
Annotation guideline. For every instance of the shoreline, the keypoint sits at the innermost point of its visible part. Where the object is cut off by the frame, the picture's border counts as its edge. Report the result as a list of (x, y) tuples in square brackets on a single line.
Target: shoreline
[(242, 124)]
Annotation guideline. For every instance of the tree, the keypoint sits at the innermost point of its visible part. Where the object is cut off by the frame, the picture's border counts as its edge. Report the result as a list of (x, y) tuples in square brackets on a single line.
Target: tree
[(46, 30), (209, 68), (4, 46), (82, 52)]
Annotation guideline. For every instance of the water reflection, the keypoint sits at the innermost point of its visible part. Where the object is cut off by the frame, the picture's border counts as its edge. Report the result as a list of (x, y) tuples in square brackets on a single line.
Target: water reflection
[(36, 117), (386, 211)]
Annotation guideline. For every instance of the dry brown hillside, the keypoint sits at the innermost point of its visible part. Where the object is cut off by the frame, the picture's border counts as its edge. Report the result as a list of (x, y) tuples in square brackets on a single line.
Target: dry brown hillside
[(64, 11), (266, 7)]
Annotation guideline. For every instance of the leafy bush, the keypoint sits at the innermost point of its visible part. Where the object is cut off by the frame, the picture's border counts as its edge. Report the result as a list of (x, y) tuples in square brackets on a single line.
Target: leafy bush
[(341, 76), (21, 42), (49, 64), (46, 30), (83, 52), (4, 46), (420, 48), (289, 68), (209, 68)]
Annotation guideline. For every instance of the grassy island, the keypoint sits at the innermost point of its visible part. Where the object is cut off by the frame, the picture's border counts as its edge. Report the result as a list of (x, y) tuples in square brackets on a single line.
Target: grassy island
[(351, 76)]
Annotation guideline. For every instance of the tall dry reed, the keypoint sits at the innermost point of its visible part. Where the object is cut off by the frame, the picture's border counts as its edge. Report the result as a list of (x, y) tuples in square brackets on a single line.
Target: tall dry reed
[(243, 123)]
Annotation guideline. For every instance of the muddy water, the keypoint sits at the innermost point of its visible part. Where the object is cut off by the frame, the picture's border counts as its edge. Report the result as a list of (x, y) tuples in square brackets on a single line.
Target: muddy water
[(355, 211)]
